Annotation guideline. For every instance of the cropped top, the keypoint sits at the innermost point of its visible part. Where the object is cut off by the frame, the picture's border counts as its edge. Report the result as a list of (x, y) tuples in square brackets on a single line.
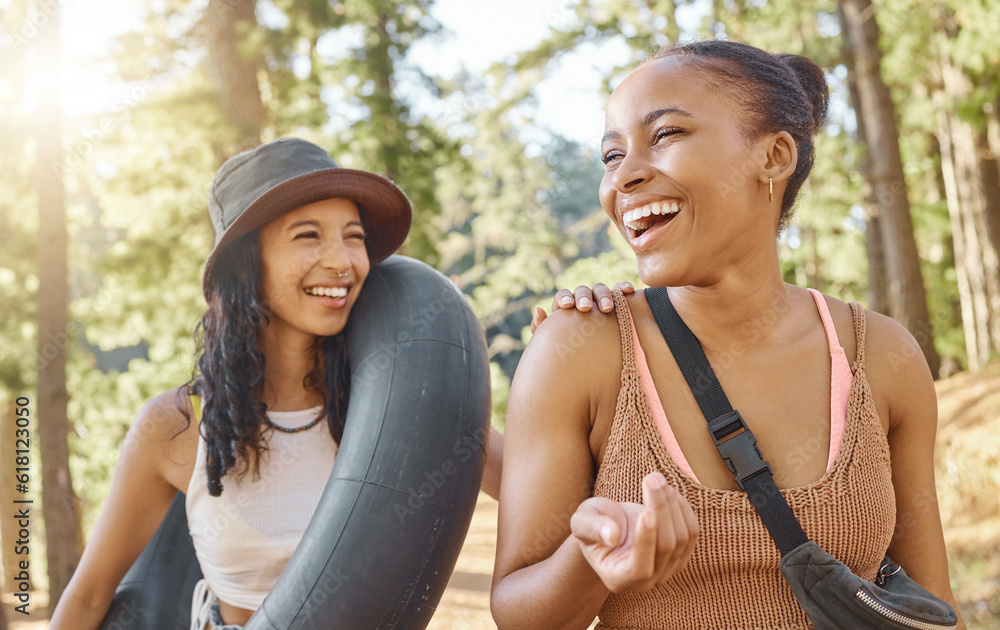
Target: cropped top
[(244, 538), (732, 580)]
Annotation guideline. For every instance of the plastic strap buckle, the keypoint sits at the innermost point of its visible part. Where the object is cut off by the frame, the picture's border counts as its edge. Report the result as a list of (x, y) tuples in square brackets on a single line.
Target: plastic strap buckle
[(740, 452)]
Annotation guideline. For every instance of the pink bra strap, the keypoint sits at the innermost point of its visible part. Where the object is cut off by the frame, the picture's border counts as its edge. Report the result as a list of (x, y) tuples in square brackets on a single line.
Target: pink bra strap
[(655, 406), (841, 378)]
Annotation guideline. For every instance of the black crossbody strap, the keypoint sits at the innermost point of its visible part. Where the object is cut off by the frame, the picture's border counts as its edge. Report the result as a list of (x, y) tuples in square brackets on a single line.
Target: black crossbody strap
[(733, 438)]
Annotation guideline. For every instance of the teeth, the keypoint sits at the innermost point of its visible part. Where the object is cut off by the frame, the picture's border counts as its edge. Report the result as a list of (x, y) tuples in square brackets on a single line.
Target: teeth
[(633, 218), (332, 292)]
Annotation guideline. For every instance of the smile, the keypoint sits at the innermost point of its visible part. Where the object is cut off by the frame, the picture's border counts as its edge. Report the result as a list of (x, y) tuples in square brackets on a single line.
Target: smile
[(643, 218), (330, 292)]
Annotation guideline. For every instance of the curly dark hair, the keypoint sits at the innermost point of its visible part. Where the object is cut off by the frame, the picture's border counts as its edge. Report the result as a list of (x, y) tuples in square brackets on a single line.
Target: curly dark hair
[(231, 366), (778, 93)]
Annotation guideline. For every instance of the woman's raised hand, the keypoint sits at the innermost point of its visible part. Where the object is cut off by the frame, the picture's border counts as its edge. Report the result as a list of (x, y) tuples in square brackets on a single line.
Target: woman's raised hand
[(633, 546), (582, 299)]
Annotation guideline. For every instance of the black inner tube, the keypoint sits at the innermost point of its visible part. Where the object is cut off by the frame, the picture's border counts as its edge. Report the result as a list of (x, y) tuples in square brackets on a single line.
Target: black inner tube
[(383, 542)]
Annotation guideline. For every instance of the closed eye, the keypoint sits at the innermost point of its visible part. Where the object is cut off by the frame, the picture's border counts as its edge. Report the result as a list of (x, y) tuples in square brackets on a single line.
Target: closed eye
[(611, 156), (307, 235), (358, 235), (667, 131)]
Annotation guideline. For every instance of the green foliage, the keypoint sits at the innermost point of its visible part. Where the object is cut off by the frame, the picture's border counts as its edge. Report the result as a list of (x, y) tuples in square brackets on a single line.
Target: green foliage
[(18, 215)]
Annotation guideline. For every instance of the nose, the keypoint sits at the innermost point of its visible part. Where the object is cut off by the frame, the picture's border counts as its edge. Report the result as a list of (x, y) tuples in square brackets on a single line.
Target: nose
[(334, 256), (633, 170)]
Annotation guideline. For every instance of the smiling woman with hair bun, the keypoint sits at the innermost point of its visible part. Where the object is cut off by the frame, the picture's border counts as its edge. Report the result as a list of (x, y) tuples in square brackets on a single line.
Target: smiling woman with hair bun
[(615, 502)]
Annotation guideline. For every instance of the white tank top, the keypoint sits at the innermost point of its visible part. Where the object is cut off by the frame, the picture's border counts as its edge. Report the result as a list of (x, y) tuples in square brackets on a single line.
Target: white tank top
[(245, 537)]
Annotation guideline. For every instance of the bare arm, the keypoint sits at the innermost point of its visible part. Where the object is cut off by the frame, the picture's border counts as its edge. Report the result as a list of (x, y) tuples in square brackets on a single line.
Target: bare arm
[(918, 540), (582, 299), (559, 551), (139, 498), (494, 465), (541, 578)]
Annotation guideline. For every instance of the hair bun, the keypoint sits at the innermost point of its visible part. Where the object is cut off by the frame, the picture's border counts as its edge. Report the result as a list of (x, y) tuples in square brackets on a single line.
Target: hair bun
[(813, 80)]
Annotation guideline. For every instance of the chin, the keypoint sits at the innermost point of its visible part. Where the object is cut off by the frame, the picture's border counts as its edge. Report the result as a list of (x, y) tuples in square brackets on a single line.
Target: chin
[(321, 326), (330, 330), (655, 271)]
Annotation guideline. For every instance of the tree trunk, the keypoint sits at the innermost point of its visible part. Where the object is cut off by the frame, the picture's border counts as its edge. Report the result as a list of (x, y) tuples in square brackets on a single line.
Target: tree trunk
[(965, 259), (972, 183), (382, 102), (233, 70), (878, 283), (990, 234), (907, 296), (62, 522), (993, 127)]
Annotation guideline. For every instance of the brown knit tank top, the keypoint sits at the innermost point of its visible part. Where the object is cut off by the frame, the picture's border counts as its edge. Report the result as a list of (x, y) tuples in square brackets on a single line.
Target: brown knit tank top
[(732, 581)]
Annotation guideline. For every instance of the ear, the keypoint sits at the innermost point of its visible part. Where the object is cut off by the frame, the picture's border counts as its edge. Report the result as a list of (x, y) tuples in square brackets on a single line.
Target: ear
[(781, 157)]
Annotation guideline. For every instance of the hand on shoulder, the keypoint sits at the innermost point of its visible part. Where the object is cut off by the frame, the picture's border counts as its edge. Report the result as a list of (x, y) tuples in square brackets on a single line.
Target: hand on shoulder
[(582, 299)]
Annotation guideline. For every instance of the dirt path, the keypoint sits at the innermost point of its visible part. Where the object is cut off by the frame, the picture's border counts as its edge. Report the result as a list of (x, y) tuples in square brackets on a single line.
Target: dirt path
[(967, 462), (465, 604)]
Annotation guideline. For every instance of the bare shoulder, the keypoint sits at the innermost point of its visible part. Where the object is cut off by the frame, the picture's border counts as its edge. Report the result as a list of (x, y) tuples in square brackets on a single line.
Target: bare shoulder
[(895, 367), (897, 371), (164, 416), (165, 431), (574, 340), (573, 362)]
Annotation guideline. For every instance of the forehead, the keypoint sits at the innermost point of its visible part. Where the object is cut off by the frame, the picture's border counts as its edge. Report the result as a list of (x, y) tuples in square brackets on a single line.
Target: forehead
[(327, 210), (668, 82)]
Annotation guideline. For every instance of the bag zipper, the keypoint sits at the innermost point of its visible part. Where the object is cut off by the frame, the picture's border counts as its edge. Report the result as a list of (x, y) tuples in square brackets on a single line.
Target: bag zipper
[(872, 602)]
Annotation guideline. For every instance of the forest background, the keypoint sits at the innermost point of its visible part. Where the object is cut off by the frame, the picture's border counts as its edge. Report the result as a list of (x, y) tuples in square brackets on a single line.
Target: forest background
[(104, 230)]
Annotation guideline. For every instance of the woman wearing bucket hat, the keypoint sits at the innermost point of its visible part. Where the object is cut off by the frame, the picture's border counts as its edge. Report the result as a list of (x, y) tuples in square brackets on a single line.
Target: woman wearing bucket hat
[(296, 236)]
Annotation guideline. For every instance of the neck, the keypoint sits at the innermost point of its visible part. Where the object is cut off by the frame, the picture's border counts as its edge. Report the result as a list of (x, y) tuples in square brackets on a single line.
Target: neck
[(746, 305), (289, 359)]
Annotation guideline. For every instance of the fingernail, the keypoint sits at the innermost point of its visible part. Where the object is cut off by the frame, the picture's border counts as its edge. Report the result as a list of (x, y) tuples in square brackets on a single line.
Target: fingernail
[(658, 483), (566, 301), (586, 302), (606, 304)]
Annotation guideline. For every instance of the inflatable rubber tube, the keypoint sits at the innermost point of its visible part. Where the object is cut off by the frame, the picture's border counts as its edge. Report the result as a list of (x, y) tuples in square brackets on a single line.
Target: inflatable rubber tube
[(388, 529)]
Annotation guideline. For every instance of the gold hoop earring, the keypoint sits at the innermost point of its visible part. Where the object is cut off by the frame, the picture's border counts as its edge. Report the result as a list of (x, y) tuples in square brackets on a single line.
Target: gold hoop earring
[(770, 190)]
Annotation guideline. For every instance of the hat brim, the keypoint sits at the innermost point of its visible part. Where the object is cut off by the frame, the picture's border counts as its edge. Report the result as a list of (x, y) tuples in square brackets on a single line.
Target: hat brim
[(386, 213)]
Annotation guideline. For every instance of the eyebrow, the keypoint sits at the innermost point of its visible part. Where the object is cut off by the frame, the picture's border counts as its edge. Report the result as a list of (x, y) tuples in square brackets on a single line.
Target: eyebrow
[(649, 119), (314, 223)]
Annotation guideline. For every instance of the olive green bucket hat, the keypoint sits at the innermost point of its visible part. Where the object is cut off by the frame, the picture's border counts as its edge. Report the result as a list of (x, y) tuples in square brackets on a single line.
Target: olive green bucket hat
[(255, 187)]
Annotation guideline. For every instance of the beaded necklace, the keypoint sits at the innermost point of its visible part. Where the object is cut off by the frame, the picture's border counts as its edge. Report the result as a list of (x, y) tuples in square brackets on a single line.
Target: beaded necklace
[(308, 425)]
